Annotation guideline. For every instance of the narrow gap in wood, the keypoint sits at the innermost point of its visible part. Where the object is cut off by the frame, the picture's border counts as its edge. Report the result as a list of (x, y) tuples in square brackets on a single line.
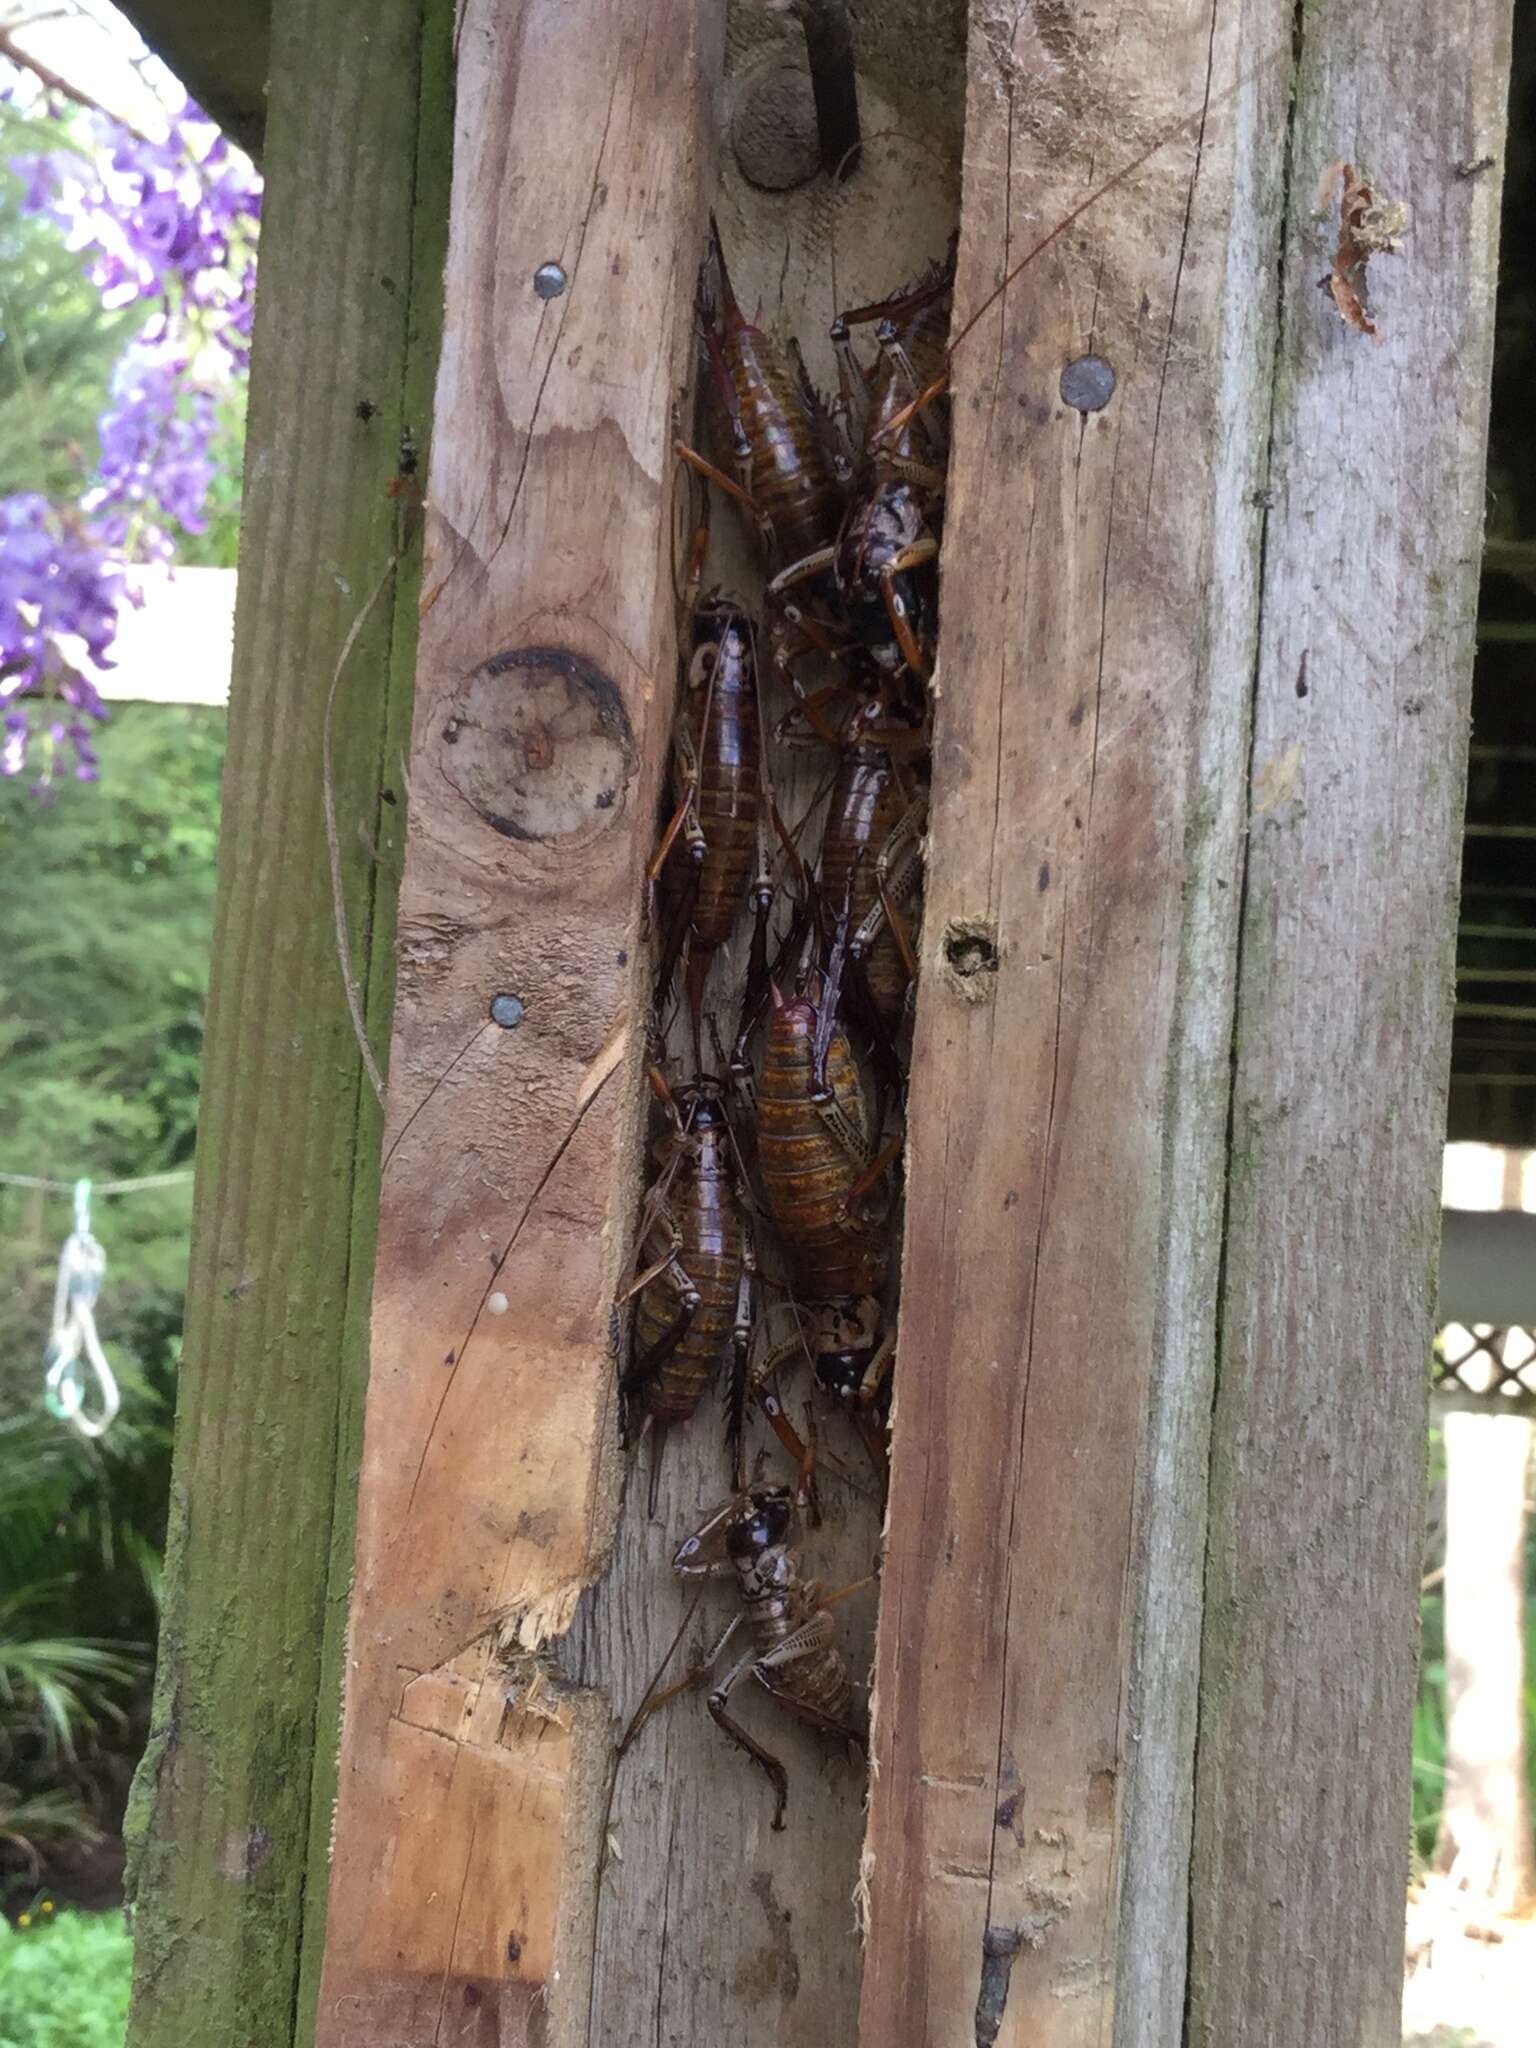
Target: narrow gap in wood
[(710, 1925)]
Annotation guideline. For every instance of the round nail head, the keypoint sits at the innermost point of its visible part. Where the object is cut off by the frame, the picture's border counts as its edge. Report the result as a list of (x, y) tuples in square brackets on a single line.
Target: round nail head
[(549, 280), (507, 1011), (1088, 383)]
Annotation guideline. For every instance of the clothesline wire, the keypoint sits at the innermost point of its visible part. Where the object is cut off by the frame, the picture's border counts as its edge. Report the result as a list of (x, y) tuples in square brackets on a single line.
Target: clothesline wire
[(100, 1187)]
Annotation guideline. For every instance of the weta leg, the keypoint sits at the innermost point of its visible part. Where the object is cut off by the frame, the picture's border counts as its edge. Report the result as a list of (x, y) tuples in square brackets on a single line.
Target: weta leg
[(741, 1351), (851, 380), (765, 1760), (787, 1434), (878, 1370), (913, 557), (758, 986), (888, 335), (898, 865), (803, 571), (912, 472), (886, 1157), (909, 412), (702, 466), (689, 1679), (688, 778)]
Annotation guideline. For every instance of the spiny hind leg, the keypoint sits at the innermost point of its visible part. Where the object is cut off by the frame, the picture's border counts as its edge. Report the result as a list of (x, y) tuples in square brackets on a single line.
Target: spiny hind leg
[(913, 557), (765, 1760)]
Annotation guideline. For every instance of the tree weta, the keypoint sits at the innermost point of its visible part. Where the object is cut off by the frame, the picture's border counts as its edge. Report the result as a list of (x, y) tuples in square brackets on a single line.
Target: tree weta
[(817, 1163), (695, 1298), (789, 481), (794, 1656), (890, 529), (719, 788)]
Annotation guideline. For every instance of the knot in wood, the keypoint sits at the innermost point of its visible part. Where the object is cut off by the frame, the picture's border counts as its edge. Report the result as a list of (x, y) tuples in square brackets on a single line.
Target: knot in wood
[(540, 745), (773, 130)]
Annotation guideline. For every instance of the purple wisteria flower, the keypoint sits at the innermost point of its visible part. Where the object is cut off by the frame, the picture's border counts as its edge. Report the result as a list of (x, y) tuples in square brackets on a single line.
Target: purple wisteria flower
[(172, 224), (155, 463), (56, 586)]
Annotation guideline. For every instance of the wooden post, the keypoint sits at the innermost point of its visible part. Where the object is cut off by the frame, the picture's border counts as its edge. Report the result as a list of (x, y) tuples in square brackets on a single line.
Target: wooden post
[(1195, 798), (232, 1805), (1102, 863), (544, 698), (1070, 1070), (1342, 1043)]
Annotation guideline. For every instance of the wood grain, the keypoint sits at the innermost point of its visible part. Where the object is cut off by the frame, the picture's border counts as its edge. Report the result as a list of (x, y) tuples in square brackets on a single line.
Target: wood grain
[(544, 694), (1040, 1604), (1342, 1048), (230, 1813)]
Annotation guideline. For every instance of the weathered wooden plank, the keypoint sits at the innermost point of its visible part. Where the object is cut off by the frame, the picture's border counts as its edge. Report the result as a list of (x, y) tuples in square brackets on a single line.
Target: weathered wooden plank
[(711, 1927), (544, 693), (1070, 1072), (1343, 1036), (288, 1140), (223, 58), (410, 424)]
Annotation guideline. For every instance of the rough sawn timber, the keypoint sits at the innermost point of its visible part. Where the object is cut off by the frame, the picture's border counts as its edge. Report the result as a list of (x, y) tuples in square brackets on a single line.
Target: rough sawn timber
[(1039, 1621), (1343, 1044), (544, 693)]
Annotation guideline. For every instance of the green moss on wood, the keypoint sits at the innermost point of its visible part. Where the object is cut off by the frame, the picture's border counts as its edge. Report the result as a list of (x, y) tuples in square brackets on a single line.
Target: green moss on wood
[(231, 1806)]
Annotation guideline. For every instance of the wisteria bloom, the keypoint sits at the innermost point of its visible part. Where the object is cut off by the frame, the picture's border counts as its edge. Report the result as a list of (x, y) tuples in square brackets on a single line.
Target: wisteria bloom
[(59, 598), (172, 225)]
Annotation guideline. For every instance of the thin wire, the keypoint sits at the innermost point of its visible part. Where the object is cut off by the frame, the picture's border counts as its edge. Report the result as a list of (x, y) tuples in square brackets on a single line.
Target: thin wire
[(100, 1187)]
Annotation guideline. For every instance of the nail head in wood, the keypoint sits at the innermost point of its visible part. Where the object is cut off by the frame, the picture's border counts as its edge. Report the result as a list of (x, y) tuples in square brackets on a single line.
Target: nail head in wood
[(1088, 384)]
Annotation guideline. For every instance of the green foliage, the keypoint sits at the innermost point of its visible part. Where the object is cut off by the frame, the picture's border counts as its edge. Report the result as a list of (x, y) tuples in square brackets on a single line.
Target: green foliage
[(102, 979), (101, 992), (57, 349), (64, 1981)]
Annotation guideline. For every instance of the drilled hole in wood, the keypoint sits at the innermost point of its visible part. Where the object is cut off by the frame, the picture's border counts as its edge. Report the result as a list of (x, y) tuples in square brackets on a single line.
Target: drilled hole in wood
[(970, 957)]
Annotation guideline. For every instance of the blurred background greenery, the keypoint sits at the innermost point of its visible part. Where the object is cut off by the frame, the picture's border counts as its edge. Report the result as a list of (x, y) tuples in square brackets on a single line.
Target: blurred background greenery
[(102, 980)]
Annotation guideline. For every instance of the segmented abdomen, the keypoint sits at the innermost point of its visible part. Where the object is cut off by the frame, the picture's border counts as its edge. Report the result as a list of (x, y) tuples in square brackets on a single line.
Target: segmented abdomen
[(703, 1205), (807, 1173), (818, 1680), (729, 794), (791, 483), (866, 806)]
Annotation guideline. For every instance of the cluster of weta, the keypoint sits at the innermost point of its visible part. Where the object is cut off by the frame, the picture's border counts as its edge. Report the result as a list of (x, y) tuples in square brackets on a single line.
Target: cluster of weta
[(776, 1174)]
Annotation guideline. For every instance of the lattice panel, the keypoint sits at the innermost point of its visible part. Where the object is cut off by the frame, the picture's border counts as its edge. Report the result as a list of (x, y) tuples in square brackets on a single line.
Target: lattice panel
[(1486, 1359)]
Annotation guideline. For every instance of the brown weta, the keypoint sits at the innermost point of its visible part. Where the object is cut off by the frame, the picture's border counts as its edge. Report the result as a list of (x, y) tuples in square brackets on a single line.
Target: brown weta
[(695, 1297), (714, 842), (817, 1164), (793, 1654)]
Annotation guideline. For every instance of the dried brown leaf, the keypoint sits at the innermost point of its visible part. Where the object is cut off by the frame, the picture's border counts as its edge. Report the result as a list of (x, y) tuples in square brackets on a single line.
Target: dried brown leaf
[(1368, 227)]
